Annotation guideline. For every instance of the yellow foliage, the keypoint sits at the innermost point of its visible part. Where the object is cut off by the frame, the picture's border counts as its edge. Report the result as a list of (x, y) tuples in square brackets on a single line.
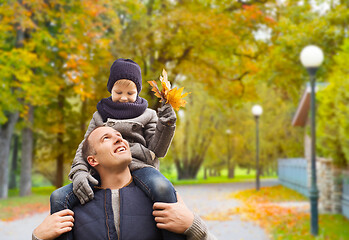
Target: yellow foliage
[(172, 96)]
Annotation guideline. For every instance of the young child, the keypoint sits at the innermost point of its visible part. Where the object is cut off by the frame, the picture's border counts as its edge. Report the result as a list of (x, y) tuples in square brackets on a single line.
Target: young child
[(149, 137)]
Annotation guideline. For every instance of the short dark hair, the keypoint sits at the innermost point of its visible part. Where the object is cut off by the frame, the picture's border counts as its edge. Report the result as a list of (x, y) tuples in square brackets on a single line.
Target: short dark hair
[(87, 149)]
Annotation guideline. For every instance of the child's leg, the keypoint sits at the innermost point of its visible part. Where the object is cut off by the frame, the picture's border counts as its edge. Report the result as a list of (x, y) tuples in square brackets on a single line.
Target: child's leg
[(155, 185), (159, 189), (63, 198)]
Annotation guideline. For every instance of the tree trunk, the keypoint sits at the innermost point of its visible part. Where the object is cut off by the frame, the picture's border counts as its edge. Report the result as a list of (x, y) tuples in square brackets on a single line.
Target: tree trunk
[(13, 182), (187, 172), (60, 137), (231, 171), (59, 170), (205, 173), (83, 119), (27, 155), (6, 132)]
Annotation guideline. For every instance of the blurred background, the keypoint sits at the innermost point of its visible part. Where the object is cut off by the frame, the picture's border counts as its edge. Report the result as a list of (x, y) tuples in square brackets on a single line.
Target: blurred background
[(54, 66)]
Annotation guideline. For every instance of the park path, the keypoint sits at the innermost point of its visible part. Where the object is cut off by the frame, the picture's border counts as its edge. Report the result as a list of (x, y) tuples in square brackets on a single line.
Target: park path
[(212, 198), (202, 199)]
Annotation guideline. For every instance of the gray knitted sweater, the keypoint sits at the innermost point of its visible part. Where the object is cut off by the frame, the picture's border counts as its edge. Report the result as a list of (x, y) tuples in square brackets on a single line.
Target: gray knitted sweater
[(149, 139)]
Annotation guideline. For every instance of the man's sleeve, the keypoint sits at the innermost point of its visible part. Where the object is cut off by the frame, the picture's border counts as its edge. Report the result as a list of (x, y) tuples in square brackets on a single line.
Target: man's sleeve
[(198, 230)]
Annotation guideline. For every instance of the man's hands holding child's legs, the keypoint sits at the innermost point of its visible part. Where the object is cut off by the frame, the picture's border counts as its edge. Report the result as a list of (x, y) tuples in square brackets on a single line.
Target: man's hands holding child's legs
[(55, 225), (81, 186), (174, 217)]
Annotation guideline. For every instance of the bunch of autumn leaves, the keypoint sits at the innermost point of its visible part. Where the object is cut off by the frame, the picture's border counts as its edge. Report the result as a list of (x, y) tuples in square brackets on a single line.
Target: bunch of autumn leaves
[(166, 94)]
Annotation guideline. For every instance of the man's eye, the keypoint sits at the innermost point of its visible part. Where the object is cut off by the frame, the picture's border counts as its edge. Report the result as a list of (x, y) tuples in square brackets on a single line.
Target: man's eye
[(105, 138)]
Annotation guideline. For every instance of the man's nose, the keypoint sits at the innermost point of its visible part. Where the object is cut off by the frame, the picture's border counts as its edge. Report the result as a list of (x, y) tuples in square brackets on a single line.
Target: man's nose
[(117, 138)]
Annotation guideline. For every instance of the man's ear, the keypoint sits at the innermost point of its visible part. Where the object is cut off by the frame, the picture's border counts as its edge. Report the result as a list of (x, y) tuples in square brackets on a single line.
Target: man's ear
[(92, 161)]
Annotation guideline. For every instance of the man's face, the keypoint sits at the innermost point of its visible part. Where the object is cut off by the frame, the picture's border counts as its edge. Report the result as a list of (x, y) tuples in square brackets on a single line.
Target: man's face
[(112, 151)]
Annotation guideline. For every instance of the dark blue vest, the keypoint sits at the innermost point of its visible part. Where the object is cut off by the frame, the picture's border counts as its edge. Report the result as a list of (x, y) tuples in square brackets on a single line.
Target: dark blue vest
[(95, 219)]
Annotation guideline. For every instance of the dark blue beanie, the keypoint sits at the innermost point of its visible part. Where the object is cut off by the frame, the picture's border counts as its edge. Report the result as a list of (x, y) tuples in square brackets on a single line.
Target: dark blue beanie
[(125, 69)]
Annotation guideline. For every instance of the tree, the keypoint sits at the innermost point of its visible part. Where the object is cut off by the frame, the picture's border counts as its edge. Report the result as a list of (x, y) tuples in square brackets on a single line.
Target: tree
[(61, 43), (81, 34), (15, 70), (27, 156), (333, 111), (198, 43), (195, 131), (6, 131)]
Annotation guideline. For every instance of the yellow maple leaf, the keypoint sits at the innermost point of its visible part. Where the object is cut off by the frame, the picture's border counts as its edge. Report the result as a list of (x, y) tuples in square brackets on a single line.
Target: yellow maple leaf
[(172, 96), (175, 96)]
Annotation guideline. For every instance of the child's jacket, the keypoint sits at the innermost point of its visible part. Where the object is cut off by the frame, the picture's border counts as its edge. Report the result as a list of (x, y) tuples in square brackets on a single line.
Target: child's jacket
[(149, 139)]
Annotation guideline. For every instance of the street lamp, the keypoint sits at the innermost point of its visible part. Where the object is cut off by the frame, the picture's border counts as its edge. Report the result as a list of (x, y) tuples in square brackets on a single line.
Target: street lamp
[(229, 151), (257, 111), (311, 58)]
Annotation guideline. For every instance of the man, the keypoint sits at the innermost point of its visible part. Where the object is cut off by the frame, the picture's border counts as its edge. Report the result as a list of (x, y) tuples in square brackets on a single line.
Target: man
[(120, 210)]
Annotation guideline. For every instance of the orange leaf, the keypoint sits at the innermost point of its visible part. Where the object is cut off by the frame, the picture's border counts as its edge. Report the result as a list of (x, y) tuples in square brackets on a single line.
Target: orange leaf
[(155, 88), (172, 96), (175, 96)]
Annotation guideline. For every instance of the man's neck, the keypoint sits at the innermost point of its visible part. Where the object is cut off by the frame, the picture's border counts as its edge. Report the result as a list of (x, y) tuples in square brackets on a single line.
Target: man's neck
[(116, 180)]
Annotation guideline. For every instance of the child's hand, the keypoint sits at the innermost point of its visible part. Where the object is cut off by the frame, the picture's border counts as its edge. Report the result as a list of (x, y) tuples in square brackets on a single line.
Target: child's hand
[(167, 115), (81, 186)]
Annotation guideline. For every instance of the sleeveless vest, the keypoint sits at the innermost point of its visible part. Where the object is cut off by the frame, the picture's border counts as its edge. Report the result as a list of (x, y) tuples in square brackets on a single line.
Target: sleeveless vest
[(95, 219)]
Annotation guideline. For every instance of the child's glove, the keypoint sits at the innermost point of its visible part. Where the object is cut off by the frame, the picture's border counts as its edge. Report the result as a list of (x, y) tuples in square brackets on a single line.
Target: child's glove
[(81, 186), (167, 115)]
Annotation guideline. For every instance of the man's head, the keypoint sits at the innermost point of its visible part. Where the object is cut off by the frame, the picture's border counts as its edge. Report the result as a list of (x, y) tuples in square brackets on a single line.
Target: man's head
[(125, 69), (105, 150)]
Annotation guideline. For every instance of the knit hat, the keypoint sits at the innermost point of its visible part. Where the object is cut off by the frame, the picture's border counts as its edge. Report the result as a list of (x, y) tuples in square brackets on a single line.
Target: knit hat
[(125, 69)]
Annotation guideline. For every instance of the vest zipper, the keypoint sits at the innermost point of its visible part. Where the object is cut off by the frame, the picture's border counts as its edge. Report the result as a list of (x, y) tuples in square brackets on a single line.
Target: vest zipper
[(119, 235), (105, 210)]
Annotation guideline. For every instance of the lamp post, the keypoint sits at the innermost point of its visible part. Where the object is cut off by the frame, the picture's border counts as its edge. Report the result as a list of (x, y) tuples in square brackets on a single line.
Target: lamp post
[(257, 111), (229, 151), (311, 58)]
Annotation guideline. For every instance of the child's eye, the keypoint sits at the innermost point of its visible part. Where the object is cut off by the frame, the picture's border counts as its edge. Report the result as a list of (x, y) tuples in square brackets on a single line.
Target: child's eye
[(131, 93)]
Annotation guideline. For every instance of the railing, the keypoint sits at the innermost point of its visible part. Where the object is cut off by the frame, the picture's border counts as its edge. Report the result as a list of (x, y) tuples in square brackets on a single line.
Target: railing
[(345, 198), (292, 173)]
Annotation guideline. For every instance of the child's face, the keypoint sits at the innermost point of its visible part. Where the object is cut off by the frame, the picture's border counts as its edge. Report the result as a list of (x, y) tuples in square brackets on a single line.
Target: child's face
[(124, 92)]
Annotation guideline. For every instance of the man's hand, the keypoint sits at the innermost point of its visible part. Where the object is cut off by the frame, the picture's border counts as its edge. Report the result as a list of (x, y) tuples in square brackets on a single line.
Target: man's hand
[(82, 188), (174, 217), (167, 115), (55, 225)]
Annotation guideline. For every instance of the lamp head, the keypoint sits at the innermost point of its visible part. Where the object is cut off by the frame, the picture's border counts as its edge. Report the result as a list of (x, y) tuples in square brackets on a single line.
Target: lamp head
[(312, 56), (257, 110)]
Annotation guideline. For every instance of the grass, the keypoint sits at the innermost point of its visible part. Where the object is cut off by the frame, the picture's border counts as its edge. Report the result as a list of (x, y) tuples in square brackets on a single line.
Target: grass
[(241, 175), (219, 179), (331, 226), (287, 223), (15, 207)]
